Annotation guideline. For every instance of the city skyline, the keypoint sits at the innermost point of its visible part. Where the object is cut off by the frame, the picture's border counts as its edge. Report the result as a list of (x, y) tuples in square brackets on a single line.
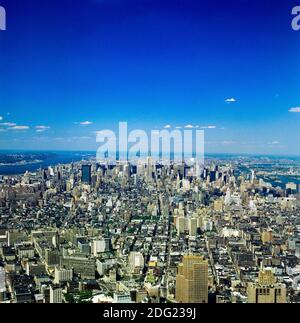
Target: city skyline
[(149, 154), (76, 69), (88, 232)]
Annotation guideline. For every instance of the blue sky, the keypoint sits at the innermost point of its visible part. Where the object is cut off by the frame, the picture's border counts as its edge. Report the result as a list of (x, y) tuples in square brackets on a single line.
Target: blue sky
[(70, 68)]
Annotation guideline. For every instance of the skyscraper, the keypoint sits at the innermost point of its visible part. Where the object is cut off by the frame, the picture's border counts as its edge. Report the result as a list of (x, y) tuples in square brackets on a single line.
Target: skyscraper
[(55, 295), (266, 289), (86, 174), (2, 284), (136, 262), (192, 280)]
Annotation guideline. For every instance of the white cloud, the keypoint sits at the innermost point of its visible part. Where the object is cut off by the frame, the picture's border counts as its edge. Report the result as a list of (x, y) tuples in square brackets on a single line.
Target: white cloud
[(274, 142), (1, 118), (8, 124), (189, 126), (85, 123), (178, 127), (41, 128), (295, 110), (167, 126), (20, 128), (209, 127), (230, 100)]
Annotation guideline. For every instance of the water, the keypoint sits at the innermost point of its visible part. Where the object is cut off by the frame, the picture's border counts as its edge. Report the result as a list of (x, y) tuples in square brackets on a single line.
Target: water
[(52, 158)]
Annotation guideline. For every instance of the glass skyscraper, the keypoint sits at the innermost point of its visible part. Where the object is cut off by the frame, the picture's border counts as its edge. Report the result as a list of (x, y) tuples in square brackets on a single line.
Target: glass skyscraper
[(86, 175)]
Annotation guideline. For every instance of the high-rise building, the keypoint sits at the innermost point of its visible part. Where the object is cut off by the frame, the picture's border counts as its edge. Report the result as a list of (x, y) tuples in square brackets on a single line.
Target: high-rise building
[(212, 176), (83, 246), (2, 284), (83, 266), (55, 295), (86, 174), (267, 236), (266, 289), (193, 226), (192, 280), (149, 167), (62, 275), (180, 224), (52, 257), (100, 245), (136, 262)]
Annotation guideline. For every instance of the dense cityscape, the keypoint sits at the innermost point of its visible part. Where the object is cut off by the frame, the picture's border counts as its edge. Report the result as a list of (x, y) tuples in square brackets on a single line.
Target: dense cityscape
[(88, 232), (149, 156)]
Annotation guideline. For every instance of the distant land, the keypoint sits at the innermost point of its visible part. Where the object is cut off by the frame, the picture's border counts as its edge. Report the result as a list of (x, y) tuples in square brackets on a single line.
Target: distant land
[(273, 169), (18, 162)]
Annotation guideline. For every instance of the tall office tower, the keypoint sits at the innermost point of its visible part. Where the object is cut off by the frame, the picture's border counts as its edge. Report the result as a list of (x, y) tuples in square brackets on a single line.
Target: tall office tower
[(45, 175), (253, 176), (205, 173), (2, 284), (180, 224), (100, 246), (192, 280), (193, 227), (62, 275), (126, 169), (55, 295), (212, 176), (266, 289), (149, 167), (136, 262), (86, 175), (52, 257)]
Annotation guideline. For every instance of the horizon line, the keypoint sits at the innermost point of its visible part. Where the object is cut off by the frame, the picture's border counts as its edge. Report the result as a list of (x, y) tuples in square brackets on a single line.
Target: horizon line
[(208, 153)]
